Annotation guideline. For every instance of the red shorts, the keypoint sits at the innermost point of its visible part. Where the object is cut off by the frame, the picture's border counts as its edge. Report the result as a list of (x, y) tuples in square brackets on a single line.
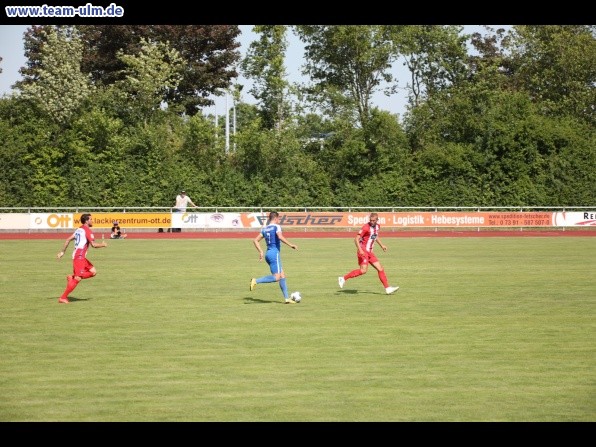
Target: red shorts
[(368, 258), (80, 266)]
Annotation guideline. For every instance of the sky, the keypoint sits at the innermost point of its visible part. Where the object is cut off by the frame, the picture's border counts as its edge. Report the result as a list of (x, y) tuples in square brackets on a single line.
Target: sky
[(12, 53)]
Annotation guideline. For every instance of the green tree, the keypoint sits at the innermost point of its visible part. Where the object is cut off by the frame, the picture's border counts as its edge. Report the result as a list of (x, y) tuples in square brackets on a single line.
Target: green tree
[(556, 64), (434, 54), (22, 131), (210, 54), (33, 41), (149, 74), (59, 88), (95, 165), (264, 63), (199, 145), (347, 64)]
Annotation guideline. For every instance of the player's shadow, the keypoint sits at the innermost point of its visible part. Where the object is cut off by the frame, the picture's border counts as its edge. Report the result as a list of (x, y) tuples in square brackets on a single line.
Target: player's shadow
[(357, 292), (73, 299), (249, 300)]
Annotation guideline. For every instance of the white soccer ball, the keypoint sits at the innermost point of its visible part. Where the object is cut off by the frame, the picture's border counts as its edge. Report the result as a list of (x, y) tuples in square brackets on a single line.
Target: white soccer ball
[(296, 297)]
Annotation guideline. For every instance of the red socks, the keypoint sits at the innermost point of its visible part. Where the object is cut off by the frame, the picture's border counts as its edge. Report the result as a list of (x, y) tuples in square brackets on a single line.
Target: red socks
[(353, 274), (358, 272), (383, 278), (72, 283)]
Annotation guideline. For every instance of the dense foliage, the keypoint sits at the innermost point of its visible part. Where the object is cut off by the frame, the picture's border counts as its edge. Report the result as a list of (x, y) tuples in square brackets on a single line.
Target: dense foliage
[(111, 116)]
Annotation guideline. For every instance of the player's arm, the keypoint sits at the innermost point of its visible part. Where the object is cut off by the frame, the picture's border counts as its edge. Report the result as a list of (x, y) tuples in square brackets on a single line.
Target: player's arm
[(66, 243), (96, 245), (357, 243), (383, 247), (257, 243), (285, 241)]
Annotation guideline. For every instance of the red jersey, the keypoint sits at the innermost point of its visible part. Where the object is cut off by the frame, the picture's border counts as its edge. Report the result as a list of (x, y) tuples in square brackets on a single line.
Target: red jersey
[(368, 235), (83, 238)]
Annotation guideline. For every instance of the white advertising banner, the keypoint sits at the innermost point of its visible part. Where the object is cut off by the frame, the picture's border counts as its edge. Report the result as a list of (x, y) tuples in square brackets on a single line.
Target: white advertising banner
[(575, 219), (209, 220), (51, 221), (14, 221)]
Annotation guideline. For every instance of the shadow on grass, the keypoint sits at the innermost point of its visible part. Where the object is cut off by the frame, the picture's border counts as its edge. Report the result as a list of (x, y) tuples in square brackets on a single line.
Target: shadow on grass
[(72, 299), (357, 292), (348, 292), (260, 301)]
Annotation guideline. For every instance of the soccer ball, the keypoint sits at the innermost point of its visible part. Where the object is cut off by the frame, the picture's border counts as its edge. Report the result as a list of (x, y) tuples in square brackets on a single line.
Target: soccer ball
[(296, 297)]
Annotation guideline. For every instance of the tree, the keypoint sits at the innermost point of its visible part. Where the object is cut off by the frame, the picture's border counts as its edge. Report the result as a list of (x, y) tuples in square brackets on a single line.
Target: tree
[(33, 41), (347, 64), (199, 146), (434, 54), (21, 132), (59, 88), (149, 74), (209, 52), (264, 63), (556, 64)]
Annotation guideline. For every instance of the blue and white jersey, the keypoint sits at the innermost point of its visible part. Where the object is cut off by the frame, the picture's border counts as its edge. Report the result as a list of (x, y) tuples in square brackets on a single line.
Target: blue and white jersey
[(270, 235)]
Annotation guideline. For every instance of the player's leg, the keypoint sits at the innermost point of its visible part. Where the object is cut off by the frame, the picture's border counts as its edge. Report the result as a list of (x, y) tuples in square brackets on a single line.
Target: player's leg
[(87, 270), (283, 285), (363, 263), (70, 285), (383, 277), (72, 280), (267, 278), (272, 259)]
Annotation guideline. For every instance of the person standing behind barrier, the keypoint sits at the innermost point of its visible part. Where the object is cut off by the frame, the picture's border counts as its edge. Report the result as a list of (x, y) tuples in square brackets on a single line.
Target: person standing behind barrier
[(82, 268), (273, 236), (365, 242), (182, 201)]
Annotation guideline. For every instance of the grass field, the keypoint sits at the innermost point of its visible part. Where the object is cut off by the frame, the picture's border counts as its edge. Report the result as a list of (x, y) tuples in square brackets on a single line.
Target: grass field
[(482, 329)]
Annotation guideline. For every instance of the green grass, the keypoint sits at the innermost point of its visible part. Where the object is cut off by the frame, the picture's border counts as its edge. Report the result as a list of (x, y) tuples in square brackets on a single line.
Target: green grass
[(482, 329)]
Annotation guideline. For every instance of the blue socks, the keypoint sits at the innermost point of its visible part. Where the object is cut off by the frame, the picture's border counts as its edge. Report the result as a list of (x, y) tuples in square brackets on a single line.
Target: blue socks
[(271, 278), (262, 279), (283, 287)]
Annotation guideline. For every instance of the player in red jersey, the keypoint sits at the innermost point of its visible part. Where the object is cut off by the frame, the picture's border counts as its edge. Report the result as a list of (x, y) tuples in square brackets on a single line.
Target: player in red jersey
[(81, 266), (365, 241)]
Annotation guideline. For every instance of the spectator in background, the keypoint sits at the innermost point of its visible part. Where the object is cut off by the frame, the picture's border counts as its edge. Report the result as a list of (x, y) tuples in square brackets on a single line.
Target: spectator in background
[(117, 232), (182, 201)]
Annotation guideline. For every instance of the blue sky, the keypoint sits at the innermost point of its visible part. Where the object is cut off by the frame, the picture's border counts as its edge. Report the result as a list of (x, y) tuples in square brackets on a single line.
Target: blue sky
[(11, 51)]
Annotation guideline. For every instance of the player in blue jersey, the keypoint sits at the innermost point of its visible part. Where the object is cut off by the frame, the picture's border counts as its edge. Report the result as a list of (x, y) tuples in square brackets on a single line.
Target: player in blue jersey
[(273, 237)]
